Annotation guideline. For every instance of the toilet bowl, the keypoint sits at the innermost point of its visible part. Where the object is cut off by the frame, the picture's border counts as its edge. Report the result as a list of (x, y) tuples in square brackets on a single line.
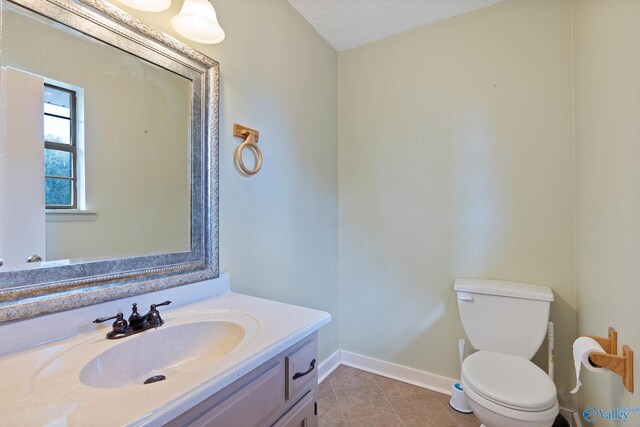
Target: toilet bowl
[(508, 391), (506, 322)]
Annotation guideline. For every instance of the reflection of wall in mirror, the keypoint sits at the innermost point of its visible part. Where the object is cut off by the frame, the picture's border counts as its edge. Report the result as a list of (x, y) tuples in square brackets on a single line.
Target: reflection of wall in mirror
[(136, 133)]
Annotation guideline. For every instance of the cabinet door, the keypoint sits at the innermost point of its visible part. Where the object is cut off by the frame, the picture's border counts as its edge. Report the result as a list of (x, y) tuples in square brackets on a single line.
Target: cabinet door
[(258, 398), (245, 406), (303, 414)]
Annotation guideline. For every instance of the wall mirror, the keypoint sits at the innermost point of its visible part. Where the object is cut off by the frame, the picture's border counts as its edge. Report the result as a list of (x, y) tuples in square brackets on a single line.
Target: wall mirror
[(108, 158)]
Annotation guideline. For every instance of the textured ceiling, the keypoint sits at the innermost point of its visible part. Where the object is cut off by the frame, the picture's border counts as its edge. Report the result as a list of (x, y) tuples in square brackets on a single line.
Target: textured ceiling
[(346, 24)]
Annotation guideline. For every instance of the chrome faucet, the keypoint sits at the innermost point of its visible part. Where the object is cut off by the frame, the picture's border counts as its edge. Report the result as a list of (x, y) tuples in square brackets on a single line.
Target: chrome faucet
[(137, 323)]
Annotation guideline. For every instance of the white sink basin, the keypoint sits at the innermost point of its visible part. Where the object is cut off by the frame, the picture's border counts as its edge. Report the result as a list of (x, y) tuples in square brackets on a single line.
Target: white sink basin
[(165, 351), (187, 350)]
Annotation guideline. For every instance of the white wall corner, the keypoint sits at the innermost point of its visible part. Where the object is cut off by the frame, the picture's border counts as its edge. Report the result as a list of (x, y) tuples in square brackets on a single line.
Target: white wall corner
[(328, 365)]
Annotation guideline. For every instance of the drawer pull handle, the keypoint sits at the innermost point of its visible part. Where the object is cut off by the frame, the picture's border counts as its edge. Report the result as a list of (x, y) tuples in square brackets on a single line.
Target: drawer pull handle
[(302, 374)]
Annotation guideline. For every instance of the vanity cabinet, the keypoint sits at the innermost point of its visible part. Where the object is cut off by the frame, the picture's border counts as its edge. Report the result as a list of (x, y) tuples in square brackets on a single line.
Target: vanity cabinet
[(280, 393)]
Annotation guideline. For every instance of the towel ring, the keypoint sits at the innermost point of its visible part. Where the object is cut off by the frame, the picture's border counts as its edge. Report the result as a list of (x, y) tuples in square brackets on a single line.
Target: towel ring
[(251, 142)]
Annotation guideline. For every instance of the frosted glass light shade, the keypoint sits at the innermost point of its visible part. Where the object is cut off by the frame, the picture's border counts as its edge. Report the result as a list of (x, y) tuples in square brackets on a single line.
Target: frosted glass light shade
[(147, 5), (197, 21)]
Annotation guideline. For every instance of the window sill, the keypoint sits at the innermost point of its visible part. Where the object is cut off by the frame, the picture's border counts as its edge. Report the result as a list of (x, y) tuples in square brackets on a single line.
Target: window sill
[(70, 215)]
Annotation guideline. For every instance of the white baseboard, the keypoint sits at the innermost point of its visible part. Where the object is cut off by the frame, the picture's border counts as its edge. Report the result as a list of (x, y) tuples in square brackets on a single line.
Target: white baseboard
[(328, 366), (398, 372)]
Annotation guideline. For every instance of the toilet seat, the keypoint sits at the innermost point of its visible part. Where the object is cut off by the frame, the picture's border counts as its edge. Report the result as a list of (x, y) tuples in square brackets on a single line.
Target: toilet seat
[(509, 382)]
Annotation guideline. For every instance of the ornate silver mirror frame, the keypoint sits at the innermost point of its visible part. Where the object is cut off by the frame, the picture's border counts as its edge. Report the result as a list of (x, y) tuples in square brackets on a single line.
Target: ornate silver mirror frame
[(28, 293)]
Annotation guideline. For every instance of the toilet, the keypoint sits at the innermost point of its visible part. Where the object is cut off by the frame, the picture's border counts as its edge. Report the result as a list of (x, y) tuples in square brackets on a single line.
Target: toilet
[(507, 323)]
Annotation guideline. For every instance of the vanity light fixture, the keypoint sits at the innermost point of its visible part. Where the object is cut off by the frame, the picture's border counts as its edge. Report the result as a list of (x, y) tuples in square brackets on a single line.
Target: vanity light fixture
[(147, 5), (197, 21)]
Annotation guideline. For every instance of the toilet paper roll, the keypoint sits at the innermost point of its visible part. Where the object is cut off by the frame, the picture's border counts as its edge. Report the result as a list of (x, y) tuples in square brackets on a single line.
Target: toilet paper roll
[(582, 348)]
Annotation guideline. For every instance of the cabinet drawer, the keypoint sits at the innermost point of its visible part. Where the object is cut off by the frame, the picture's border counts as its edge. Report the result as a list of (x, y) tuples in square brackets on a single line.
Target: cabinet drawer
[(303, 414), (301, 368)]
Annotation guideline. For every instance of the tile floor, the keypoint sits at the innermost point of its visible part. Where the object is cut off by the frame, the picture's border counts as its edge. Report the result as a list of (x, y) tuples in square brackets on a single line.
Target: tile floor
[(353, 398)]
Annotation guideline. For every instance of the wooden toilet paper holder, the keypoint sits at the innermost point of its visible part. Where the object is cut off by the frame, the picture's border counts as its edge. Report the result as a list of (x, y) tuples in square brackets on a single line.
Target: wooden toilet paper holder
[(621, 365)]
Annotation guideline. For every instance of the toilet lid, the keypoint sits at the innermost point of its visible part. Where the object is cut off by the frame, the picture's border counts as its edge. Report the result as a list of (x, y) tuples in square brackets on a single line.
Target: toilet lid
[(509, 381)]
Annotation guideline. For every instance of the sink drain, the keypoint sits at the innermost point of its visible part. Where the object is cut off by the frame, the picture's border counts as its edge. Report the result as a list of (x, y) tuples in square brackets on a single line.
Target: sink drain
[(155, 379)]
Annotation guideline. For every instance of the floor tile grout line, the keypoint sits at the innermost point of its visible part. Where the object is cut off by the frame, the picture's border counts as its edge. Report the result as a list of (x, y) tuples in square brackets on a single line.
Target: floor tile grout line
[(333, 390), (388, 393), (378, 388), (395, 412)]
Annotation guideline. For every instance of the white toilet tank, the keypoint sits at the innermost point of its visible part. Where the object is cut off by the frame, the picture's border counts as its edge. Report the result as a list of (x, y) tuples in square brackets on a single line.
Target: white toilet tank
[(504, 317)]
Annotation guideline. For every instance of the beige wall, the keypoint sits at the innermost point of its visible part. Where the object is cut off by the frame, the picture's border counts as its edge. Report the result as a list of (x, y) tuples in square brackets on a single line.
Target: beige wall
[(278, 229), (136, 147), (456, 160), (607, 105)]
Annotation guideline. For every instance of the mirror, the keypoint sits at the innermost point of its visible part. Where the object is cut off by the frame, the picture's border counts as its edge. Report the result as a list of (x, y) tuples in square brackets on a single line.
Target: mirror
[(110, 127), (115, 142)]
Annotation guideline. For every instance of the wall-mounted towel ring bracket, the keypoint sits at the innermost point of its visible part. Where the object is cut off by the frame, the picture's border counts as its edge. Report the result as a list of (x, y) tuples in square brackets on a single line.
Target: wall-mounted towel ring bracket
[(621, 365), (251, 137)]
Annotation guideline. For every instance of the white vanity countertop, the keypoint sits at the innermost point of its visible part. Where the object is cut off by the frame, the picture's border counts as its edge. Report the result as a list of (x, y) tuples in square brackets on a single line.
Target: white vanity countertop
[(41, 386)]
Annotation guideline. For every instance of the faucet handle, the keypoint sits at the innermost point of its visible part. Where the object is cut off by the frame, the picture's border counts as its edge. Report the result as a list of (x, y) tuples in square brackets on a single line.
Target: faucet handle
[(104, 319), (153, 306), (119, 326), (153, 316)]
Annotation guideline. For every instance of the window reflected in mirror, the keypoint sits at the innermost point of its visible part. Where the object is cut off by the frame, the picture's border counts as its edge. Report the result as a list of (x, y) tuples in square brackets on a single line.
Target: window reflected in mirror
[(60, 148)]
